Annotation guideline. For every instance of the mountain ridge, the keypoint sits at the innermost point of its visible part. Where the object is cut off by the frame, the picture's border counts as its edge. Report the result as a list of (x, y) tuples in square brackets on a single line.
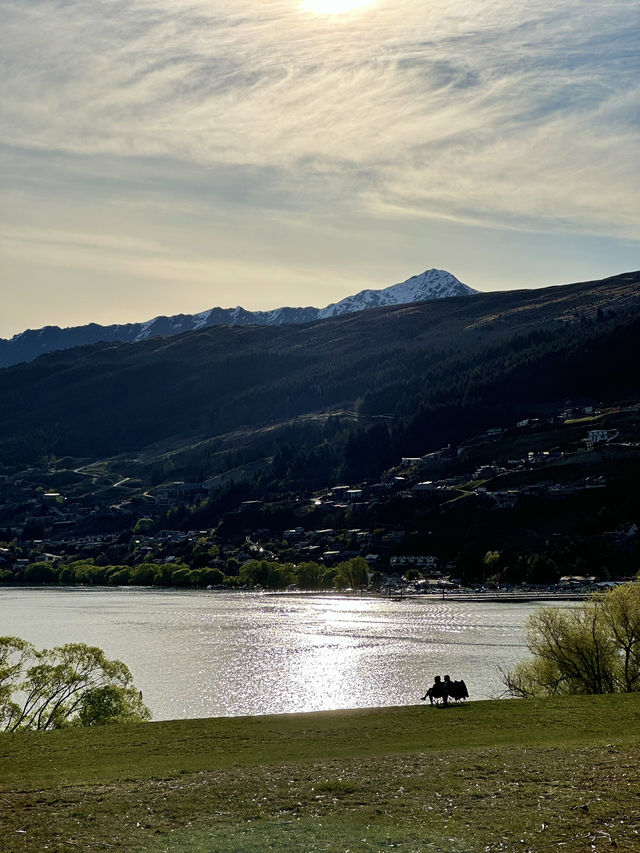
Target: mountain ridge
[(25, 346), (459, 360)]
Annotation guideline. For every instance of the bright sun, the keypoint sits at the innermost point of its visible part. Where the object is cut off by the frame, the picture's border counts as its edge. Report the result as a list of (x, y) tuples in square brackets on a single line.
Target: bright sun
[(333, 7)]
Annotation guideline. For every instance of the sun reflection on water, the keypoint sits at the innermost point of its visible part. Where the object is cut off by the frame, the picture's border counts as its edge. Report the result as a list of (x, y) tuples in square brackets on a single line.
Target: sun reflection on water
[(202, 654)]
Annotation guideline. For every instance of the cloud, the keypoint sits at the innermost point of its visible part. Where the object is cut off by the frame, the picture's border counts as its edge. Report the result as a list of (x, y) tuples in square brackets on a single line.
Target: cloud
[(500, 109), (260, 116)]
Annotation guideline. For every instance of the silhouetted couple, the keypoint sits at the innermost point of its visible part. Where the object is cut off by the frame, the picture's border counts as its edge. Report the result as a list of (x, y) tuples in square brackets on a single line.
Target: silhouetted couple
[(445, 690)]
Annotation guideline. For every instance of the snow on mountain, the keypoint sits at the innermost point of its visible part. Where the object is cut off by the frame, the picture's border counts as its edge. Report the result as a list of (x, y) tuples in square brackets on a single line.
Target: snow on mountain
[(431, 284), (25, 346)]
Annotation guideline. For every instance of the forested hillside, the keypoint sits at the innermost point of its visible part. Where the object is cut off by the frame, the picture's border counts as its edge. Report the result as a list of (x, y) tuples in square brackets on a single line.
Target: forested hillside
[(414, 377)]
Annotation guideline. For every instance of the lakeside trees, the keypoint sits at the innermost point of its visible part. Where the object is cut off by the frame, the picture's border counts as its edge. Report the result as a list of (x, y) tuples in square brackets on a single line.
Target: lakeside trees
[(69, 685), (594, 648), (269, 574)]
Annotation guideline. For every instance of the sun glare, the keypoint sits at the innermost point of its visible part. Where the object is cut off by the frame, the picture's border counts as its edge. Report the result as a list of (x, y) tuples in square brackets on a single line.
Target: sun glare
[(334, 7)]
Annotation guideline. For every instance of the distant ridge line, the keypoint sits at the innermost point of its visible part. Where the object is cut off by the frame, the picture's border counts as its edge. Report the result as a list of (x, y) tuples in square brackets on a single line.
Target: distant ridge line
[(25, 346)]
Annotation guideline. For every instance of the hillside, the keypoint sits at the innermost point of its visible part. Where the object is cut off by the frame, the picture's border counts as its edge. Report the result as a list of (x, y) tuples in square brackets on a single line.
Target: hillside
[(429, 367)]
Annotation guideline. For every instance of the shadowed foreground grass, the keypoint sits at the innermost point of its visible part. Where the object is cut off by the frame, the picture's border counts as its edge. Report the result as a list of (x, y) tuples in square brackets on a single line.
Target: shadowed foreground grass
[(540, 775)]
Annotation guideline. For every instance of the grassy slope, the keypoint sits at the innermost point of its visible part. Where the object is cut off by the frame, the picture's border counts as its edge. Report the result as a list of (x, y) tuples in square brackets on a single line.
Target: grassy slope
[(488, 776)]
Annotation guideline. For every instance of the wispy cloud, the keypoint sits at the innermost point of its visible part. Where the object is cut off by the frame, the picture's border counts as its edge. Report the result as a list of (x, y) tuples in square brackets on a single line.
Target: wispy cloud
[(508, 114)]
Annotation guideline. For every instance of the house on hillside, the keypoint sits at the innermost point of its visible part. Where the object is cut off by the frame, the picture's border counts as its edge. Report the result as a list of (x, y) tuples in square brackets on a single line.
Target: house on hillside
[(505, 499), (599, 436), (403, 561), (544, 457), (427, 487), (485, 472), (178, 493)]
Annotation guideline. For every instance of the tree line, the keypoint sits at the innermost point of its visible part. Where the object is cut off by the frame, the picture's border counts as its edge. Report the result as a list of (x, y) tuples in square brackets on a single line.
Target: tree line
[(250, 574)]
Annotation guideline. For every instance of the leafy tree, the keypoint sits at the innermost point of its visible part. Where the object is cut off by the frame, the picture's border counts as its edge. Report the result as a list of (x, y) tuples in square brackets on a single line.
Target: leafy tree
[(267, 574), (14, 654), (594, 648), (144, 574), (200, 556), (376, 578), (232, 566), (282, 575), (541, 570), (119, 576), (181, 576), (163, 575), (352, 573), (112, 704), (67, 574), (40, 573), (254, 572), (144, 525), (491, 562), (90, 573), (309, 576), (329, 577), (620, 609), (212, 577), (69, 685)]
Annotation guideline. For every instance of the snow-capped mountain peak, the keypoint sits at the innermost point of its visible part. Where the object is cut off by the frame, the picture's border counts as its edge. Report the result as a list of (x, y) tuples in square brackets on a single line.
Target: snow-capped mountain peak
[(25, 346), (431, 284)]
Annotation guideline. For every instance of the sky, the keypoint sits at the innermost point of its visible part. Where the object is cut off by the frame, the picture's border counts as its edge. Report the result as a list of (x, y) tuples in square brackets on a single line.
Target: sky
[(169, 156)]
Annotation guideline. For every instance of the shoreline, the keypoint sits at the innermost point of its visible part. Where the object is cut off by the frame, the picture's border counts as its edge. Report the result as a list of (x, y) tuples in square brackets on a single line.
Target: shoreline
[(477, 597)]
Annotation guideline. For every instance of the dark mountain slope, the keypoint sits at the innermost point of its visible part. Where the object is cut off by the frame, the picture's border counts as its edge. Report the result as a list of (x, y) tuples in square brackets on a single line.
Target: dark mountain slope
[(449, 360)]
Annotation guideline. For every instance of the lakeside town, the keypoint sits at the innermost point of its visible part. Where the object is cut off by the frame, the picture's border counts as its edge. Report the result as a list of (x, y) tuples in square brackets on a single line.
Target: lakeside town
[(546, 504)]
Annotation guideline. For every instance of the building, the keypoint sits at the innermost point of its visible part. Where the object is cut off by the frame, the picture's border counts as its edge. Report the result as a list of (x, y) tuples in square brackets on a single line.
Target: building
[(413, 561), (599, 436)]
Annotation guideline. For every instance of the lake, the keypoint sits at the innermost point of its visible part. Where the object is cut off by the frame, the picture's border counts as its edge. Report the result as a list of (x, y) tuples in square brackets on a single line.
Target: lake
[(202, 654)]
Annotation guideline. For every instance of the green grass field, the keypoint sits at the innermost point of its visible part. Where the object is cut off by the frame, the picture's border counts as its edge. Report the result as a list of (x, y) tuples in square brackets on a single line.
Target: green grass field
[(543, 775)]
